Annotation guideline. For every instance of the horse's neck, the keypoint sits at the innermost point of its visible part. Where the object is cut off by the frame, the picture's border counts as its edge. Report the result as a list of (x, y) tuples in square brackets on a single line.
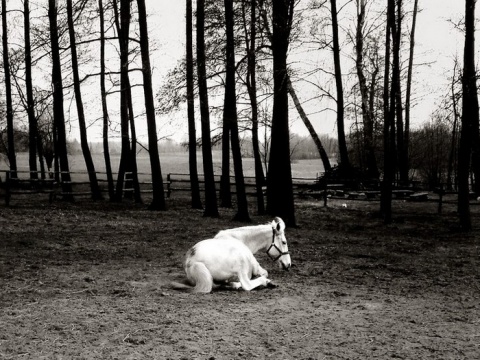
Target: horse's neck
[(259, 239)]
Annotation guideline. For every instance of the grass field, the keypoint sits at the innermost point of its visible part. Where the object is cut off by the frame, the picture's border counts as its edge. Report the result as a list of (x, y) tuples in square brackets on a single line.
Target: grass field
[(176, 162)]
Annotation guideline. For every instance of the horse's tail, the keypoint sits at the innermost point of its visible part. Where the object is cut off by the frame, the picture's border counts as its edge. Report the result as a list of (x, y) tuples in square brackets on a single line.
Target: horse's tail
[(199, 279)]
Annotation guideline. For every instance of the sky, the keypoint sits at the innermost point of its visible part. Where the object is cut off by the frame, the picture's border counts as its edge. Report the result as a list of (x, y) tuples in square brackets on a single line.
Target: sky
[(437, 42)]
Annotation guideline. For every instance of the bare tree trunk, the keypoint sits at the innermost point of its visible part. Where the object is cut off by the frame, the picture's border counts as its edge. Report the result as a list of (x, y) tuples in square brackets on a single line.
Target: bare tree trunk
[(158, 201), (106, 119), (12, 157), (230, 115), (132, 162), (252, 92), (309, 126), (342, 143), (92, 175), (396, 78), (225, 192), (211, 208), (470, 116), (453, 142), (34, 135), (122, 20), (192, 137), (301, 112), (367, 114), (408, 95), (389, 158), (280, 201), (58, 109)]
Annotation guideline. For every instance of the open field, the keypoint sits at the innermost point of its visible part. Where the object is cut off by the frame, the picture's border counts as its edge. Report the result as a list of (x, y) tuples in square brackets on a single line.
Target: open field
[(91, 281), (176, 162)]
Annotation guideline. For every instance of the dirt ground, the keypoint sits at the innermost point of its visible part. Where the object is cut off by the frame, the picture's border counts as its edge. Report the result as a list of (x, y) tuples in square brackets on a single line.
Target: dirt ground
[(91, 281)]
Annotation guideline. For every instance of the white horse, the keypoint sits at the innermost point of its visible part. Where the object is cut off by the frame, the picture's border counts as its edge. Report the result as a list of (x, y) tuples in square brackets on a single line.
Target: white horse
[(269, 237), (228, 260)]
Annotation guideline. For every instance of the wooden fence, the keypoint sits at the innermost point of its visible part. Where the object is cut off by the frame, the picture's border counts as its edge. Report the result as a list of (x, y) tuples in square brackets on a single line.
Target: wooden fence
[(24, 184)]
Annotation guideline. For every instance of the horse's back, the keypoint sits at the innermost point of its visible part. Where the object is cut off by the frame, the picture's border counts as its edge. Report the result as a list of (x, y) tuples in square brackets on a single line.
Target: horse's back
[(220, 249)]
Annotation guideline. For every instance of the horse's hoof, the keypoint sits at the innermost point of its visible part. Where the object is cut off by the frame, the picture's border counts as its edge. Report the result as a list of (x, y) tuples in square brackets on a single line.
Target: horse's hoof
[(271, 285)]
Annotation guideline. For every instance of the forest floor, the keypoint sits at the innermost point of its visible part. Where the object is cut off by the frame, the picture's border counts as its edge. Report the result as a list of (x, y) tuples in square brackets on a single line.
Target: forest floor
[(91, 281)]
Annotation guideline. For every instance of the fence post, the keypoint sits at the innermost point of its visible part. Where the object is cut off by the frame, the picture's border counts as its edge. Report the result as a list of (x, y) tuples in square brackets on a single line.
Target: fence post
[(7, 187), (169, 179), (325, 193), (440, 199)]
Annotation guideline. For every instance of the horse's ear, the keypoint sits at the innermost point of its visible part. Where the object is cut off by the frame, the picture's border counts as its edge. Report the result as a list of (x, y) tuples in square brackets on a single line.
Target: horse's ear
[(277, 224), (274, 224)]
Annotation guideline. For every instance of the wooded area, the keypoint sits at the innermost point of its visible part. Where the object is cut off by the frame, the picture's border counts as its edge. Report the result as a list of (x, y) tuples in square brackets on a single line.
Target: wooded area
[(241, 52)]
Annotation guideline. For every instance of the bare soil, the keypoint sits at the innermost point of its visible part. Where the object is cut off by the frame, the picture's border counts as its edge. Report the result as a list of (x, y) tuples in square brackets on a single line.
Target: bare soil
[(91, 281)]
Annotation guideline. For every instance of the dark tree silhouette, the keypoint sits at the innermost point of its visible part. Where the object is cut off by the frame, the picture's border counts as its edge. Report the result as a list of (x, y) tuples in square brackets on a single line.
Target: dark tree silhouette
[(58, 109), (252, 93), (92, 175), (388, 125), (470, 117), (408, 95), (342, 143), (280, 200), (367, 113), (8, 96), (158, 201), (106, 119), (192, 137), (211, 208), (230, 115), (316, 139), (128, 164)]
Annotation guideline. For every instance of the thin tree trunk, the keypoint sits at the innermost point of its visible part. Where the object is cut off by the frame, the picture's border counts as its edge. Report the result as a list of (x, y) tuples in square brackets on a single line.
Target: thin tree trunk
[(211, 208), (388, 162), (396, 74), (58, 109), (280, 201), (192, 137), (342, 143), (106, 119), (158, 201), (225, 192), (132, 162), (92, 175), (321, 150), (34, 135), (230, 115), (8, 97), (470, 116), (453, 142), (259, 173), (252, 93), (367, 114), (122, 21), (406, 156)]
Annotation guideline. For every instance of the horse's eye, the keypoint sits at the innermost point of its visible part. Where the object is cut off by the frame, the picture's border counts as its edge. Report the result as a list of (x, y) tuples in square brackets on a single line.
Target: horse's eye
[(284, 242)]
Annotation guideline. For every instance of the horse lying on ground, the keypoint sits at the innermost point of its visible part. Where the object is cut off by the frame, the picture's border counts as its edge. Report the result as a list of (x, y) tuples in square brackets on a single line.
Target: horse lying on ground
[(228, 260)]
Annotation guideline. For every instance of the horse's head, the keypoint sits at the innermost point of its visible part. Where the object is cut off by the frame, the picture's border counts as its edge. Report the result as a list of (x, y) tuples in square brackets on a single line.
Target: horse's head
[(278, 250)]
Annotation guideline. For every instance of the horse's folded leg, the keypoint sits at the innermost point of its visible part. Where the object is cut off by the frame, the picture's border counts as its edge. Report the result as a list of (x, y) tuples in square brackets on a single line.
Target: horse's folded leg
[(248, 285), (235, 285)]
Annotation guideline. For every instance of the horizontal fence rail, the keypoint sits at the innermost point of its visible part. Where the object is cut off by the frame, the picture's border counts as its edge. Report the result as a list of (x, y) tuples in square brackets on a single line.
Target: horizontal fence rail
[(27, 182)]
